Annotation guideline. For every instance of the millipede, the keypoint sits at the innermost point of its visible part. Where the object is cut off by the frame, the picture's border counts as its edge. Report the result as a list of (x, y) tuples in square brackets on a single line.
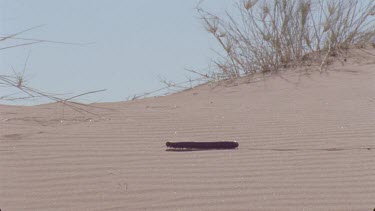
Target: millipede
[(203, 145)]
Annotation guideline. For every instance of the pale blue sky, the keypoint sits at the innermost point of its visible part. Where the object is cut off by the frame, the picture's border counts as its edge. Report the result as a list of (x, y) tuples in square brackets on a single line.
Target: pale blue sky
[(134, 42)]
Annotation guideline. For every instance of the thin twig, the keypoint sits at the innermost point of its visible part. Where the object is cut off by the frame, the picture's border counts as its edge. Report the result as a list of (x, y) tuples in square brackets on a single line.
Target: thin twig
[(19, 45), (325, 61)]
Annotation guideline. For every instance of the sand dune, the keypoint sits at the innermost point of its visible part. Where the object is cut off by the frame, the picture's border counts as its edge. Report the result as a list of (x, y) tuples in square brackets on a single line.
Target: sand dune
[(307, 142)]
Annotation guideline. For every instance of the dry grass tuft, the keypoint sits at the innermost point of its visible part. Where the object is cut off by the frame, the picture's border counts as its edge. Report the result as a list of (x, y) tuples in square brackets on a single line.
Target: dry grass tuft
[(18, 82), (267, 35)]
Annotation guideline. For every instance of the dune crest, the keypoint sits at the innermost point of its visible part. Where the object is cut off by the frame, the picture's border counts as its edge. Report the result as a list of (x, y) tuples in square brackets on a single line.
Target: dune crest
[(307, 142)]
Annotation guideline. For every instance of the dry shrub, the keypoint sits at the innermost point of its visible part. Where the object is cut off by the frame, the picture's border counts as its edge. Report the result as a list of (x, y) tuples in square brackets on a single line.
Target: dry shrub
[(266, 35)]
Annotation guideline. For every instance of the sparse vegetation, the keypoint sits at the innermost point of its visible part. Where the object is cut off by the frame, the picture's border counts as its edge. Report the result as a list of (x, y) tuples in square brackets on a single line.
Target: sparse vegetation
[(267, 35), (18, 82)]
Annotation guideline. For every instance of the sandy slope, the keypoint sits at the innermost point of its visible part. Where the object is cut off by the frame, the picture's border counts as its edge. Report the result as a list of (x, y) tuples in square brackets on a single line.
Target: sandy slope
[(307, 142)]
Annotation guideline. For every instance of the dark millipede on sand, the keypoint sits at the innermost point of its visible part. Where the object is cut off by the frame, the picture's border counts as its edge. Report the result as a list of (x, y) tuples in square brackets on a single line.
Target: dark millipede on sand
[(203, 145)]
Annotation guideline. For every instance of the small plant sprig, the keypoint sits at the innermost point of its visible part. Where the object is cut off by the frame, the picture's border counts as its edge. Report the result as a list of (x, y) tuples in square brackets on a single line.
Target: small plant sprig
[(18, 80)]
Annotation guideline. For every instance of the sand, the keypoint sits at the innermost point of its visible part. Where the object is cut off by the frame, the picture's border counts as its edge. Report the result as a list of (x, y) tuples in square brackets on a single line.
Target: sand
[(307, 142)]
